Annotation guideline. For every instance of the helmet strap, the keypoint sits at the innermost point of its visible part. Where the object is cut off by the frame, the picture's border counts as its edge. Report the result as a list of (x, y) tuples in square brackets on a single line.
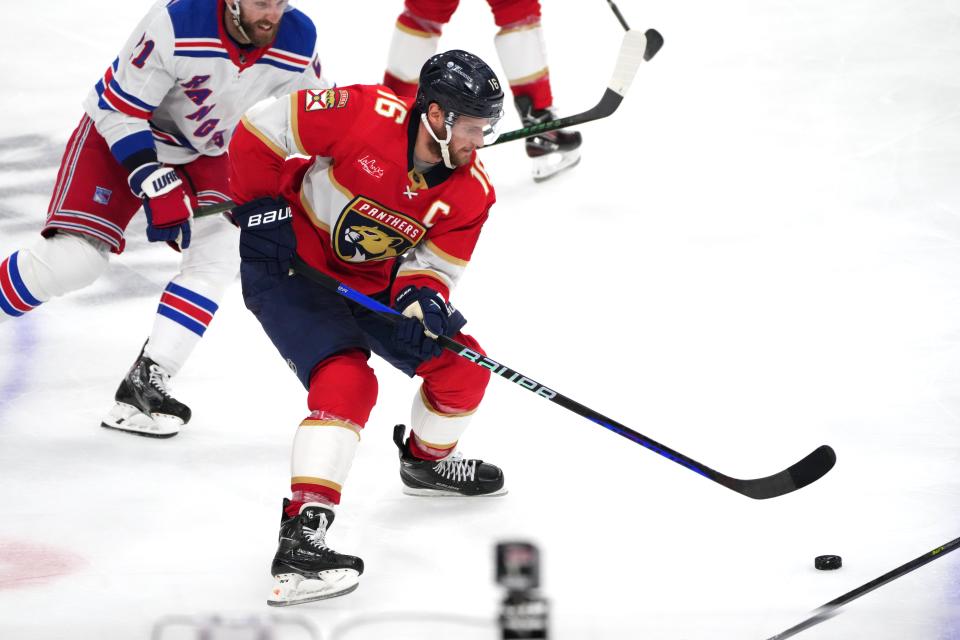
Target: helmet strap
[(444, 144), (234, 10)]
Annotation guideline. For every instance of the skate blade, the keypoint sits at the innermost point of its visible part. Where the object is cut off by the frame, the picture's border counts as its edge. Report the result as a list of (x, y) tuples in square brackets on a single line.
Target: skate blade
[(125, 417), (440, 493), (292, 588), (545, 167)]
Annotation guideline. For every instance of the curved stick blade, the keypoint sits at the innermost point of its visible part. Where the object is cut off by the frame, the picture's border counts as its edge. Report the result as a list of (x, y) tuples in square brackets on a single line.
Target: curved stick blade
[(654, 42), (807, 471)]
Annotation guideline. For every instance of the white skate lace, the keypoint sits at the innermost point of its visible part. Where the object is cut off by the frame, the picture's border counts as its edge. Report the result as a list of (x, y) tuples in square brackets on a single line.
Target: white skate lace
[(457, 469), (159, 380), (317, 537)]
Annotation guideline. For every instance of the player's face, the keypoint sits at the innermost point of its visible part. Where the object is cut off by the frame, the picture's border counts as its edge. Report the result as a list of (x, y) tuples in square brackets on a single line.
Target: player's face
[(261, 19), (467, 135)]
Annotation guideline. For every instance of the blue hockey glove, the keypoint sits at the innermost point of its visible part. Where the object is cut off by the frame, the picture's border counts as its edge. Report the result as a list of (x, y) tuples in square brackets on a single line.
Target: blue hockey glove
[(265, 231), (426, 317)]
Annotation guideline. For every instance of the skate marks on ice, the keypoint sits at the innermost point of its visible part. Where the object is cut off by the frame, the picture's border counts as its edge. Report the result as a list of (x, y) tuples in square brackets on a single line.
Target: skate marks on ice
[(28, 564), (29, 152), (236, 626), (28, 167), (18, 345), (414, 625), (396, 625)]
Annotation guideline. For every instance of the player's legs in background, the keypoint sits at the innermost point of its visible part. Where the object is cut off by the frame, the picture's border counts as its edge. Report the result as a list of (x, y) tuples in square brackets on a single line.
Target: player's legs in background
[(520, 47), (144, 401), (415, 38), (90, 206)]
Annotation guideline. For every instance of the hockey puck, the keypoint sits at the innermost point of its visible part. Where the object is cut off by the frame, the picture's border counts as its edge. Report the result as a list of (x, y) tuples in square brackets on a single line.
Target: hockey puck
[(827, 563)]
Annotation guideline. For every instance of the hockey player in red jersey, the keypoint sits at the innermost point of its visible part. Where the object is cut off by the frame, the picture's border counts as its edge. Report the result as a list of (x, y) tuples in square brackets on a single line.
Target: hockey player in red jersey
[(390, 202), (154, 135), (521, 50)]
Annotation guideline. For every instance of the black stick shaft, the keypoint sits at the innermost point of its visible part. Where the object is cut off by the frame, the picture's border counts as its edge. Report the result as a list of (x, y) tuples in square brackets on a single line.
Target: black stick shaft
[(773, 486), (616, 12), (828, 610)]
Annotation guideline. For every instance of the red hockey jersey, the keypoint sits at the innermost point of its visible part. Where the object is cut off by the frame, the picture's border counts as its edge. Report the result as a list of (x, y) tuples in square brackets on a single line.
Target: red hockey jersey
[(358, 203)]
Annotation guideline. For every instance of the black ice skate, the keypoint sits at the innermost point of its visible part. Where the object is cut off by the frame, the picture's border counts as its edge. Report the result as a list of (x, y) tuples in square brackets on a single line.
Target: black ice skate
[(553, 151), (452, 476), (144, 404), (305, 568)]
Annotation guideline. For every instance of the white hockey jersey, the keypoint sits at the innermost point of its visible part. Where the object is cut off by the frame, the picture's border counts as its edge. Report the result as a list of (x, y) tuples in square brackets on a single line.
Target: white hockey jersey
[(181, 84)]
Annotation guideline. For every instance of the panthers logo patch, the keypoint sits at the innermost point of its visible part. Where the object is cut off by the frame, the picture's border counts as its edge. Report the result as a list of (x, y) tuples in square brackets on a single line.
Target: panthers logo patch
[(368, 231)]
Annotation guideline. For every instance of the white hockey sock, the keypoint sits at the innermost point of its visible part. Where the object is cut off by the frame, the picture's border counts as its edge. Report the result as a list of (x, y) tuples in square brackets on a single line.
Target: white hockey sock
[(522, 52), (191, 299), (323, 452), (409, 49), (15, 297), (182, 318), (436, 429), (51, 267)]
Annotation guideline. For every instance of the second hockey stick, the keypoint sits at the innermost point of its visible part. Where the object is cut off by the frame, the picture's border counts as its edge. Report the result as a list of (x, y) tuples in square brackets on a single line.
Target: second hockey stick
[(636, 48), (804, 472), (830, 609), (616, 12)]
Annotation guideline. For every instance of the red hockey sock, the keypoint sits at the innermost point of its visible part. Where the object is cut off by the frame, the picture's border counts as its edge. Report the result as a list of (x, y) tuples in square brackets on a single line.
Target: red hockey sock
[(304, 493), (417, 450)]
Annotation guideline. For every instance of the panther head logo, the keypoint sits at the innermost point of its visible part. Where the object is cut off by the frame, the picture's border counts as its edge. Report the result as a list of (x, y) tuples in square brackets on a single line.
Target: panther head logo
[(370, 243)]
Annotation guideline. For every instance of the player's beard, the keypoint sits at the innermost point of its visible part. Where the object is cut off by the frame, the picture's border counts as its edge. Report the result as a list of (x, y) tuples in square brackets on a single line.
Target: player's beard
[(258, 36), (459, 156)]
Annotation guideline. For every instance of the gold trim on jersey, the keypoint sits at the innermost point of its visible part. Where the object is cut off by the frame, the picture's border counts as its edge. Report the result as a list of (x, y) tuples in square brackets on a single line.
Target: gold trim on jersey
[(262, 137), (336, 184), (522, 27), (330, 484), (332, 423), (442, 447), (433, 410), (295, 122), (415, 32), (417, 181), (446, 257), (533, 77)]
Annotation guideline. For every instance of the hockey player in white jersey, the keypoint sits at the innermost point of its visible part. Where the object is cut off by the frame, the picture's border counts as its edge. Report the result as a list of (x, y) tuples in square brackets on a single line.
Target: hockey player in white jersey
[(154, 135)]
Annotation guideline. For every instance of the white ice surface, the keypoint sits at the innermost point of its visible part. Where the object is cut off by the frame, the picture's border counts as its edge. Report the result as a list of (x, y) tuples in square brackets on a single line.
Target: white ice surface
[(759, 254)]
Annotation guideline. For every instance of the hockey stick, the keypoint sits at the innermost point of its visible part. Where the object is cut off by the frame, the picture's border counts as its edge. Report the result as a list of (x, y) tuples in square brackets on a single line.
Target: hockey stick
[(616, 12), (830, 609), (636, 48), (799, 475)]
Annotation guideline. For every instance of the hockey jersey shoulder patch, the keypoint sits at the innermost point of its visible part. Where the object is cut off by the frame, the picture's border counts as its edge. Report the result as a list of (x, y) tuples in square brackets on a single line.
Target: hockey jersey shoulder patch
[(321, 99)]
